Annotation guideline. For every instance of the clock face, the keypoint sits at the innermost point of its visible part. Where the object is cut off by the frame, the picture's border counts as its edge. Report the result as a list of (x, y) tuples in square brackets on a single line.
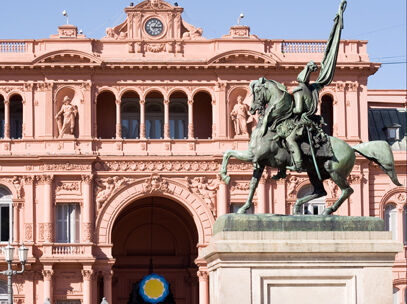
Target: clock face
[(154, 27)]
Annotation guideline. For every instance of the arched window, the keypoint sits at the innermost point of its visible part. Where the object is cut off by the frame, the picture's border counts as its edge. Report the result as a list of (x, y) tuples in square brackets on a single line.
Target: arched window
[(316, 206), (203, 115), (396, 295), (6, 215), (1, 116), (178, 116), (16, 117), (327, 113), (106, 115), (405, 225), (154, 116), (130, 115), (390, 220)]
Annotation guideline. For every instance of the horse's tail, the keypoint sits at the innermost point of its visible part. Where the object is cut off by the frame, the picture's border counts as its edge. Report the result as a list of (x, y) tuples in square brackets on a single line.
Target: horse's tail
[(380, 153)]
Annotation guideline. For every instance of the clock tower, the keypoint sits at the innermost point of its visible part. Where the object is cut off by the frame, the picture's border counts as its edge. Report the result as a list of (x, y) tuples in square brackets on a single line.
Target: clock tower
[(153, 20)]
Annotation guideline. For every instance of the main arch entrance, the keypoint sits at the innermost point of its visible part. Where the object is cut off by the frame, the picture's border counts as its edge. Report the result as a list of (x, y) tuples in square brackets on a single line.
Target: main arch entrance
[(155, 234)]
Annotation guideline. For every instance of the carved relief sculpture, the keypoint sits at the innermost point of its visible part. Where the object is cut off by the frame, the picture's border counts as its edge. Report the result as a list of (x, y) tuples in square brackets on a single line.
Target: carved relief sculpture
[(66, 118), (204, 188)]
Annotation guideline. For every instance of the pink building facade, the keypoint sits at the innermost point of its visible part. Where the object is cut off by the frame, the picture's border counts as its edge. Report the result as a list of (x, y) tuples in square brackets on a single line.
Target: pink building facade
[(110, 151)]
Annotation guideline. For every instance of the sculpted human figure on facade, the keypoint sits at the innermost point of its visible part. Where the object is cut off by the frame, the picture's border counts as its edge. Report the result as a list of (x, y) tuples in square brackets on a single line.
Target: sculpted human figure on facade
[(66, 117), (239, 115)]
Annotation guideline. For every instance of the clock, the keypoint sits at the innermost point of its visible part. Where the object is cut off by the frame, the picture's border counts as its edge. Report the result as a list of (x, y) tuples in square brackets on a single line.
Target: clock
[(154, 27)]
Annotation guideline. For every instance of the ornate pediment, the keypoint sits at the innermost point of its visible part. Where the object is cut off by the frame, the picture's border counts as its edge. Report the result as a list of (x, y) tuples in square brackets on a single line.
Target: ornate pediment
[(242, 57), (153, 20), (68, 57), (154, 5)]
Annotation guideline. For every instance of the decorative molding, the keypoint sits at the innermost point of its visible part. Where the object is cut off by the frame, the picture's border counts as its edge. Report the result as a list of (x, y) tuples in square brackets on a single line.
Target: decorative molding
[(156, 184), (161, 166), (67, 187), (240, 186), (28, 231), (47, 274)]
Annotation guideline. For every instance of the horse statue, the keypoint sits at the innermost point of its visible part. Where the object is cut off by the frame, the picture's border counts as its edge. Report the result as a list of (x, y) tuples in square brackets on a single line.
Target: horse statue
[(266, 148)]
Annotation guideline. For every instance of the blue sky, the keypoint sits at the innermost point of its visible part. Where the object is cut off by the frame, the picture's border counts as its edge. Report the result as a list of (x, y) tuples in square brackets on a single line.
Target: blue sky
[(383, 24)]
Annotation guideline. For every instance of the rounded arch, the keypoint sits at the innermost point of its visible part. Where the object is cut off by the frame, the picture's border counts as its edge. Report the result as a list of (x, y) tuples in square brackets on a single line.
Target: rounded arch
[(15, 94), (180, 90), (259, 58), (203, 90), (127, 90), (8, 189), (106, 89), (388, 197), (327, 112), (177, 192), (106, 115), (152, 90), (16, 115), (86, 58)]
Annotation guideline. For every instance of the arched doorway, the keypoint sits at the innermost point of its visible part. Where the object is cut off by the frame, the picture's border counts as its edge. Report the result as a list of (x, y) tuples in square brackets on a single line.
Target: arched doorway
[(155, 234)]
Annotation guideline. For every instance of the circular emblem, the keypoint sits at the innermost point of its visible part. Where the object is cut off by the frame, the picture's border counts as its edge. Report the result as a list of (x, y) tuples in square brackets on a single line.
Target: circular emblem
[(154, 288), (154, 27)]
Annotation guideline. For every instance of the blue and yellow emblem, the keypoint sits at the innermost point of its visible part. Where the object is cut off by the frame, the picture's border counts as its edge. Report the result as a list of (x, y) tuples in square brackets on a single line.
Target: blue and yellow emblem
[(154, 288)]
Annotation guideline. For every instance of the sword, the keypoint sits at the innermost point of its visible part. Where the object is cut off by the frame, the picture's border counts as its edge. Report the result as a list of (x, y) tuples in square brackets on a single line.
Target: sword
[(313, 153)]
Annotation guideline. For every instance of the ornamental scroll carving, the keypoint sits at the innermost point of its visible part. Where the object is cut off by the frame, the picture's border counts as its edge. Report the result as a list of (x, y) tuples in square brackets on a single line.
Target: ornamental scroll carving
[(240, 186), (160, 166), (205, 189), (16, 181), (292, 185), (67, 187), (156, 184), (107, 187)]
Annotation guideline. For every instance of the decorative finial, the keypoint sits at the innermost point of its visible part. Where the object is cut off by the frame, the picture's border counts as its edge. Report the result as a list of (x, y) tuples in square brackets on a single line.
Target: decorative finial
[(65, 13), (240, 18)]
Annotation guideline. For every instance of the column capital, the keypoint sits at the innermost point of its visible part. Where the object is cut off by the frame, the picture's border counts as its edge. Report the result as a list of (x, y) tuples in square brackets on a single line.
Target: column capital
[(47, 274), (202, 275), (6, 102), (118, 101), (87, 274), (29, 179), (46, 179), (87, 178), (166, 102), (142, 102), (190, 102)]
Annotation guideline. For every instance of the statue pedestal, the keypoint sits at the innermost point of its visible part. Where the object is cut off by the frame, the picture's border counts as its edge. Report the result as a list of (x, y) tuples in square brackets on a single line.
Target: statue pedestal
[(300, 259)]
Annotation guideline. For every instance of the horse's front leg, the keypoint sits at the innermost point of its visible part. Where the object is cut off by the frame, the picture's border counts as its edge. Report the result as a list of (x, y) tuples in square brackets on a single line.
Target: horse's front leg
[(246, 156), (254, 182)]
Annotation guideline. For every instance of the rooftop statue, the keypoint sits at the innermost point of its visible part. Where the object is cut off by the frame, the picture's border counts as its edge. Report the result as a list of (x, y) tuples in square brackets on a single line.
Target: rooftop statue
[(289, 136)]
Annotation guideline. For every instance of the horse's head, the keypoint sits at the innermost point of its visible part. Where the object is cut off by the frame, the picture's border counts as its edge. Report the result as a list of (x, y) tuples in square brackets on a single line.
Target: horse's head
[(260, 94)]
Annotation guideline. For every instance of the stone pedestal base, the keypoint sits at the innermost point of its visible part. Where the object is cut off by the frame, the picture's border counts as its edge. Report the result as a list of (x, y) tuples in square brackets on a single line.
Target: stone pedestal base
[(299, 266)]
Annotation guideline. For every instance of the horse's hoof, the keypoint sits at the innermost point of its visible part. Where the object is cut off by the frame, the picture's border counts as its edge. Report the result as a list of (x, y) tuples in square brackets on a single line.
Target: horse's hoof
[(327, 211), (241, 210)]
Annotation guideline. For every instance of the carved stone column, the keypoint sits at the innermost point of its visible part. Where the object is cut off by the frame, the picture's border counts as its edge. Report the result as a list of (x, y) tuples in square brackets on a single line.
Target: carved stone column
[(16, 221), (48, 208), (203, 286), (87, 275), (28, 208), (214, 112), (222, 199), (221, 110), (191, 134), (48, 286), (142, 120), (262, 196), (107, 285), (118, 120), (6, 119), (88, 209), (166, 119)]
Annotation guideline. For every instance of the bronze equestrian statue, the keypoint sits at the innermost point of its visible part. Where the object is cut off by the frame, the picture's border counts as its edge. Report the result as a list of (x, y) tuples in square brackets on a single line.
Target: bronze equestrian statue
[(289, 135)]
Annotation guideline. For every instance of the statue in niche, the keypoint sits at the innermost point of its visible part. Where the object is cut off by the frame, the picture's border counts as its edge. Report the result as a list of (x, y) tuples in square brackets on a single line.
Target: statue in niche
[(239, 116), (289, 134), (66, 117)]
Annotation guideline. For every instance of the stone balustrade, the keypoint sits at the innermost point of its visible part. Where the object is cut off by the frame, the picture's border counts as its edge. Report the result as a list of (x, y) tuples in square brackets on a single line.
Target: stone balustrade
[(64, 249)]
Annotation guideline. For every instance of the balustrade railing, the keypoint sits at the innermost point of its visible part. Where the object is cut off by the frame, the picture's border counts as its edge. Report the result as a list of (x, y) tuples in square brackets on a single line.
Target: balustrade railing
[(64, 249), (303, 47), (13, 47)]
